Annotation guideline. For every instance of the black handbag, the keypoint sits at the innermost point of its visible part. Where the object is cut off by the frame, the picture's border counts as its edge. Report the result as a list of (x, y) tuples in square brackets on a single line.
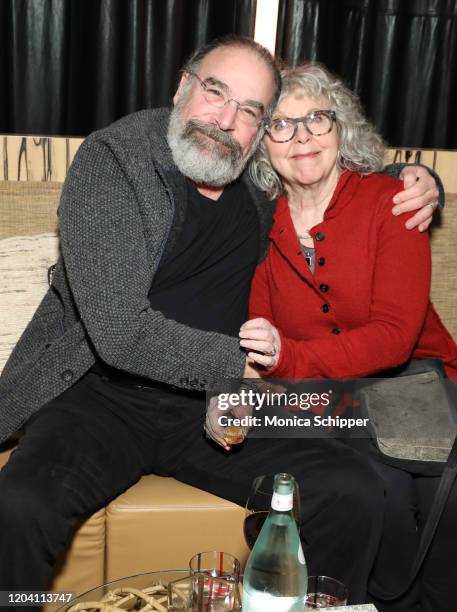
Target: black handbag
[(402, 407)]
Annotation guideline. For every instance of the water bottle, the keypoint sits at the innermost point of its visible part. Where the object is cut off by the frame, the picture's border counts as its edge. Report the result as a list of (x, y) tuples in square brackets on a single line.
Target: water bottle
[(276, 577)]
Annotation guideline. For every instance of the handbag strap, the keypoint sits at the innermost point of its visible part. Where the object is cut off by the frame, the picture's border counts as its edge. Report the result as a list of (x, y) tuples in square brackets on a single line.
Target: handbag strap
[(444, 488)]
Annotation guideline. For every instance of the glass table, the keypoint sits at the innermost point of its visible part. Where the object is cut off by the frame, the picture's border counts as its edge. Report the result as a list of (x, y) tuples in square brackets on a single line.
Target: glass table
[(129, 593), (135, 592)]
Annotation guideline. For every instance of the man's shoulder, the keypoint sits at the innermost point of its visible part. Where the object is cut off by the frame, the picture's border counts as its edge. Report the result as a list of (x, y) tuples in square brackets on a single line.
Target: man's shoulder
[(141, 133), (141, 123)]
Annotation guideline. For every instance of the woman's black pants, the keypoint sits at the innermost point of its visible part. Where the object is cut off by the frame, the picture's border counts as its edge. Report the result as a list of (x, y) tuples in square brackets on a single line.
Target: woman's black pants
[(407, 504), (408, 501)]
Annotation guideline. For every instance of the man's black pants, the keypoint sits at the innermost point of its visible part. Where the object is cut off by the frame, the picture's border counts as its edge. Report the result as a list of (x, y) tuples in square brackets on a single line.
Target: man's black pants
[(84, 448)]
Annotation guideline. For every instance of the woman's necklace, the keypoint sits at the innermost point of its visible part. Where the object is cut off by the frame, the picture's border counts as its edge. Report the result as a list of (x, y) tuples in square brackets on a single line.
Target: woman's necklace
[(308, 251), (305, 236)]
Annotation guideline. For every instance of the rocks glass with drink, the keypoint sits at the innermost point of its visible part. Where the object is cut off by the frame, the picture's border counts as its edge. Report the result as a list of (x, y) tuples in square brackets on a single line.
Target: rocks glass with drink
[(325, 592)]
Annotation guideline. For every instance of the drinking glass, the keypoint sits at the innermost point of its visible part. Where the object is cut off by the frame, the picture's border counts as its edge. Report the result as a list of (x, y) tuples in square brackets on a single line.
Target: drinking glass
[(214, 594), (216, 564), (235, 434), (258, 506), (203, 593), (215, 578), (325, 592)]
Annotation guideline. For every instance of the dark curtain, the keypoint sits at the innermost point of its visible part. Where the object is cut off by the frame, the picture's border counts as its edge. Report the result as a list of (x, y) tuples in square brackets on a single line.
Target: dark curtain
[(72, 66), (400, 56)]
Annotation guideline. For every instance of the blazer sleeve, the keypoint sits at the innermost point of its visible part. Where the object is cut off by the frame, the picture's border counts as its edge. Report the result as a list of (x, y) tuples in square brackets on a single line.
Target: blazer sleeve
[(110, 270), (395, 169), (400, 298)]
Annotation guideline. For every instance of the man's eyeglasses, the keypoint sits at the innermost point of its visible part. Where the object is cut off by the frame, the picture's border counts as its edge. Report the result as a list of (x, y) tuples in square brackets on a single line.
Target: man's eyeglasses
[(317, 123), (249, 114)]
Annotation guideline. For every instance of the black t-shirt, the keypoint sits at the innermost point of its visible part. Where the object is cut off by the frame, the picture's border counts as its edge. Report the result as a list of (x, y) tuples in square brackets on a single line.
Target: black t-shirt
[(205, 281)]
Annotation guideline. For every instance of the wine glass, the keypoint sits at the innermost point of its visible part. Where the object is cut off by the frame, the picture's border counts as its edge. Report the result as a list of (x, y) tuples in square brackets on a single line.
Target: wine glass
[(325, 592), (258, 506)]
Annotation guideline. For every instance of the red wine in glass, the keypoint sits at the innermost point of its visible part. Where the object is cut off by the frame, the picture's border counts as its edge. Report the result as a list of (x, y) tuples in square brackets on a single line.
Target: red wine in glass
[(258, 507), (253, 523)]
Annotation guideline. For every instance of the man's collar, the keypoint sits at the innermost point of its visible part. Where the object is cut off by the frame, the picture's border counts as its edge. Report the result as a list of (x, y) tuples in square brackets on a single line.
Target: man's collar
[(158, 138)]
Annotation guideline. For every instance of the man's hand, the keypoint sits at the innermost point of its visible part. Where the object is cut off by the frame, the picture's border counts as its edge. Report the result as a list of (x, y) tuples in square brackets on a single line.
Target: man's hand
[(214, 429), (420, 192), (262, 341)]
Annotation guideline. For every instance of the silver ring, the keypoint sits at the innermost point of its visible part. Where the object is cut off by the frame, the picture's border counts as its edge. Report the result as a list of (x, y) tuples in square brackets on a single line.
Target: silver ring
[(432, 205)]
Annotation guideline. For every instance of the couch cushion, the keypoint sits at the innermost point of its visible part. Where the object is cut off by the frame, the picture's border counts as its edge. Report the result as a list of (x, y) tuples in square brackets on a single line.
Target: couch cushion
[(28, 246), (24, 263), (83, 566), (444, 252), (28, 208), (160, 523)]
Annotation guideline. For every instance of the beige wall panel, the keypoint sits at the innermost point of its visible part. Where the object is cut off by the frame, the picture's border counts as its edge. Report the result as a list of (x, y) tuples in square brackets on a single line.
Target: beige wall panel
[(443, 162), (29, 158), (446, 167), (12, 159)]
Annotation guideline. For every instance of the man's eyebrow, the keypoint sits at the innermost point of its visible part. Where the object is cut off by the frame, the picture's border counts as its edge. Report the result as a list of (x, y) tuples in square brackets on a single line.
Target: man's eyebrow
[(213, 81)]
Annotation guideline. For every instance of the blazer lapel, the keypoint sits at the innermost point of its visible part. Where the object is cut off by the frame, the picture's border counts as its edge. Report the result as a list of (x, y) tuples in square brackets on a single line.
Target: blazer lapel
[(174, 181)]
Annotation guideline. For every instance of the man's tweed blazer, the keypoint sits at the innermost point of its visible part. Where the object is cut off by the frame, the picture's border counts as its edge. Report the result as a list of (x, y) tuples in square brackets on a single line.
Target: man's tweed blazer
[(121, 208)]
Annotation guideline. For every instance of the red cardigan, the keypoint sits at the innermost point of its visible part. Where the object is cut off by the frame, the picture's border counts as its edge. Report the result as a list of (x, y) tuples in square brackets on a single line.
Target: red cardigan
[(367, 307)]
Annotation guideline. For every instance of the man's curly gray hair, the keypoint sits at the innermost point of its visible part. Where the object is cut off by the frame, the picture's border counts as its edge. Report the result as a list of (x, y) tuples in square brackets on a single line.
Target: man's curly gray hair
[(360, 148)]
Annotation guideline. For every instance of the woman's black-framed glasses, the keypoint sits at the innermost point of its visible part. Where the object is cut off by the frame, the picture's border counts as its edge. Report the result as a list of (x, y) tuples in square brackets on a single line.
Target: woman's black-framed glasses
[(317, 123), (214, 94)]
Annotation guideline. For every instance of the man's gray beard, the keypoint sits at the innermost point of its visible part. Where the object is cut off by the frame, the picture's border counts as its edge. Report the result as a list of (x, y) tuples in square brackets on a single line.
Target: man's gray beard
[(204, 153)]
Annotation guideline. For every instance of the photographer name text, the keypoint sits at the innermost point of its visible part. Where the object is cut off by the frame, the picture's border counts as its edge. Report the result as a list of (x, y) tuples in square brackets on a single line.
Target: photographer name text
[(316, 420)]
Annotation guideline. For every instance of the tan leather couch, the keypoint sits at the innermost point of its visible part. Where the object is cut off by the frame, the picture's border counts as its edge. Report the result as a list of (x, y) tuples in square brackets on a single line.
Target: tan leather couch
[(158, 523)]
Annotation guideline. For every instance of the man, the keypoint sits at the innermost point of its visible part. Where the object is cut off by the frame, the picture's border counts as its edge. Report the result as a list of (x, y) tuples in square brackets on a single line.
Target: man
[(159, 242)]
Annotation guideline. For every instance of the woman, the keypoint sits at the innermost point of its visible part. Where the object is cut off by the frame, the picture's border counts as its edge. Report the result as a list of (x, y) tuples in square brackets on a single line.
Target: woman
[(344, 291)]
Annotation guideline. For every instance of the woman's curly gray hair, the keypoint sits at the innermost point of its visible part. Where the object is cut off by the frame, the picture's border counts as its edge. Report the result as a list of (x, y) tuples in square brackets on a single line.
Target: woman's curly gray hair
[(360, 148)]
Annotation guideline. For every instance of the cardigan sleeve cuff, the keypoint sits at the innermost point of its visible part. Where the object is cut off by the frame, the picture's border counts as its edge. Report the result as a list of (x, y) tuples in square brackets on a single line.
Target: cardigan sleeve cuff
[(395, 169)]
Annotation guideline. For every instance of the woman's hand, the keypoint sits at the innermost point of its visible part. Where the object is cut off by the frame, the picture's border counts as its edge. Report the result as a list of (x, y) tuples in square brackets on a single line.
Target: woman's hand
[(262, 342), (420, 193)]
